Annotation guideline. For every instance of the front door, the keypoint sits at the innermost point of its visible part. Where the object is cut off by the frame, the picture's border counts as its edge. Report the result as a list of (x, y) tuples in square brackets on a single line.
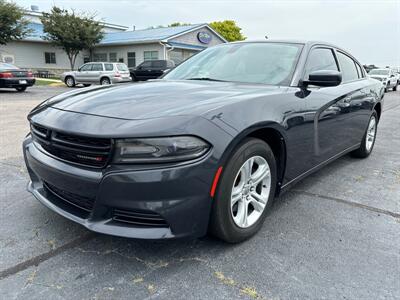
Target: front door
[(83, 73)]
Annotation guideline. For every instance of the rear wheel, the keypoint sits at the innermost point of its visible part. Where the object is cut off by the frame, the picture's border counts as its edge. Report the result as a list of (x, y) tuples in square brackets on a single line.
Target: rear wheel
[(395, 86), (368, 141), (86, 85), (105, 81), (21, 88), (70, 81), (245, 193)]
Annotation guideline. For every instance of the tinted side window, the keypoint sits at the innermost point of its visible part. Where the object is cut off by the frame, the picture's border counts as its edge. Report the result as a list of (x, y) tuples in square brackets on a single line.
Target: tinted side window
[(146, 64), (97, 67), (109, 67), (157, 64), (347, 67), (320, 59)]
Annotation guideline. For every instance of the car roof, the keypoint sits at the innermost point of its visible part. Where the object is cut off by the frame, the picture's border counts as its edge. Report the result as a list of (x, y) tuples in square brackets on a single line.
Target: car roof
[(289, 41)]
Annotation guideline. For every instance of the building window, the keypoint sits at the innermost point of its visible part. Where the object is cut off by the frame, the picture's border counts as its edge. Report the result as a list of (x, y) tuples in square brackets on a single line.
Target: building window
[(113, 56), (131, 59), (150, 55), (50, 57), (100, 57)]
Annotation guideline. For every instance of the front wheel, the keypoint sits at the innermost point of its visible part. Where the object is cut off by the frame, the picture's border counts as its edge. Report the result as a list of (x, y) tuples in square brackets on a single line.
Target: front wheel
[(245, 193), (395, 87), (368, 141), (21, 88), (70, 81)]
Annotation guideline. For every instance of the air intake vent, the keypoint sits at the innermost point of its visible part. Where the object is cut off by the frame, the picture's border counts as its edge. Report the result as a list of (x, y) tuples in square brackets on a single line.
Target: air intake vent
[(86, 151), (83, 203), (139, 218)]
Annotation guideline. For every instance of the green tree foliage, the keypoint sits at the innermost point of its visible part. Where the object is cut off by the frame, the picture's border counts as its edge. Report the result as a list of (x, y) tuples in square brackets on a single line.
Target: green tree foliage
[(12, 25), (70, 31), (229, 30)]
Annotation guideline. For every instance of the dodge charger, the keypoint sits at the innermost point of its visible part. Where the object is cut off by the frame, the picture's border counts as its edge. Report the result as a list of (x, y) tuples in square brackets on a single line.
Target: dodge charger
[(206, 148)]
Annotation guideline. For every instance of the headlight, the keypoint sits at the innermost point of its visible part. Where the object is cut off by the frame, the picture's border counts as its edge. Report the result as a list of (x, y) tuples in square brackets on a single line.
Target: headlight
[(159, 150)]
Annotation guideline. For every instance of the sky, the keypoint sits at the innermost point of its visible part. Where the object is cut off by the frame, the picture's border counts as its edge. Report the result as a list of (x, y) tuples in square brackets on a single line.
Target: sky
[(369, 30)]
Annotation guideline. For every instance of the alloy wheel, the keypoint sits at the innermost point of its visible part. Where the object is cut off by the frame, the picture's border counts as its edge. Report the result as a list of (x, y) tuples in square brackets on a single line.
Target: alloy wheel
[(250, 191), (371, 133)]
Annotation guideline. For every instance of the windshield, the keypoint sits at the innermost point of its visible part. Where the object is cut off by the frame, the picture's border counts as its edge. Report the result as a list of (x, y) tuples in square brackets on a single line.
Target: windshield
[(268, 63), (378, 72)]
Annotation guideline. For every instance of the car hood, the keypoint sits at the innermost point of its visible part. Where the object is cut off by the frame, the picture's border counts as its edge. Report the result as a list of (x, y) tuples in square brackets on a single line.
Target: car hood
[(159, 98)]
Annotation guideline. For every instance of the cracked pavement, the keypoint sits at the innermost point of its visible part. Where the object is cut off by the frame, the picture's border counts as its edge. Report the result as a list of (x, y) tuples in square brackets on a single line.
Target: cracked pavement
[(335, 235)]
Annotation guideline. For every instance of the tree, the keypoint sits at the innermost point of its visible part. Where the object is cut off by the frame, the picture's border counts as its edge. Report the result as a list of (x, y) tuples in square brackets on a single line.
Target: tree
[(12, 24), (72, 32), (229, 30)]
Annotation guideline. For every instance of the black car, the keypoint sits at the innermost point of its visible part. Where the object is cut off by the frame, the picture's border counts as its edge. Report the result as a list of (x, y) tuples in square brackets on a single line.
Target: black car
[(151, 69), (207, 147), (13, 77)]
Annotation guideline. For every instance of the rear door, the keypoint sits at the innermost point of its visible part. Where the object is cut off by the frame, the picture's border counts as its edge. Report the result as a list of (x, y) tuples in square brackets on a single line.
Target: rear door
[(157, 68), (96, 72), (338, 121)]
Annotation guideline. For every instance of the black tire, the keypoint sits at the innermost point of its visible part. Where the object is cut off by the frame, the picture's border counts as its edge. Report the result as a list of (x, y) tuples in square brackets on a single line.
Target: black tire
[(86, 85), (222, 224), (363, 152), (134, 79), (395, 87), (69, 81), (21, 88), (386, 89), (105, 81)]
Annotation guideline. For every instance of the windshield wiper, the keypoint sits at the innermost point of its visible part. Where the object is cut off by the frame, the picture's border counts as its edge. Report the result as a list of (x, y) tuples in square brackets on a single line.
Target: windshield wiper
[(205, 78)]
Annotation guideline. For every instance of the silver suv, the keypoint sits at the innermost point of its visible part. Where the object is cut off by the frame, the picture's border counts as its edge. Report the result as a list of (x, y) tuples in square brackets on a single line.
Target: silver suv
[(97, 73)]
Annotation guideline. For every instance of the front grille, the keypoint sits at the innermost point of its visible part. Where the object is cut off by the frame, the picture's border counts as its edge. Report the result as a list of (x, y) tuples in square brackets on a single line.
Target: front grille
[(139, 218), (86, 151), (81, 202)]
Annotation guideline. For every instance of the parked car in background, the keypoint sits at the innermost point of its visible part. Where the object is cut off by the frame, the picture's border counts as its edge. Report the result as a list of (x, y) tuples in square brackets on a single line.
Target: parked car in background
[(387, 76), (151, 69), (97, 73), (207, 147), (13, 77)]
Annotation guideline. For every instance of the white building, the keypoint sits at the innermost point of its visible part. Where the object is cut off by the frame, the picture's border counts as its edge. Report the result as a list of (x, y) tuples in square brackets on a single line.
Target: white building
[(118, 44)]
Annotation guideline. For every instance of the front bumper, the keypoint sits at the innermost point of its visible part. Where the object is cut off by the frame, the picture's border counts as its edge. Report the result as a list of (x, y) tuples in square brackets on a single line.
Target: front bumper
[(16, 82), (179, 195)]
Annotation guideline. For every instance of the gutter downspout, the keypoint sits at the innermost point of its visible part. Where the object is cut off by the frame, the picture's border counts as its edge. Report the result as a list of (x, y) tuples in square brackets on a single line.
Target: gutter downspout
[(164, 50), (170, 48)]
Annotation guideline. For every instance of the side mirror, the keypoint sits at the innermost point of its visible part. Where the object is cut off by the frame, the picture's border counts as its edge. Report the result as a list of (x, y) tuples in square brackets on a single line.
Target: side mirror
[(324, 78)]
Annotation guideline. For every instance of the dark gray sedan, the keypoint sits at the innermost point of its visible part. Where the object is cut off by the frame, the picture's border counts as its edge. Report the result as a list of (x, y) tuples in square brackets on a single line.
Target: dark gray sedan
[(13, 77), (207, 147)]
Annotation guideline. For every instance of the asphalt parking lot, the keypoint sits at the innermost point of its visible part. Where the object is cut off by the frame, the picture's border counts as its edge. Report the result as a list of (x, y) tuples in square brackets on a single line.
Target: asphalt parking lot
[(335, 235)]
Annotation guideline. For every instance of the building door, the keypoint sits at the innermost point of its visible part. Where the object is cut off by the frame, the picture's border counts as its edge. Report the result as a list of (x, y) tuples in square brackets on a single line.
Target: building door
[(131, 59)]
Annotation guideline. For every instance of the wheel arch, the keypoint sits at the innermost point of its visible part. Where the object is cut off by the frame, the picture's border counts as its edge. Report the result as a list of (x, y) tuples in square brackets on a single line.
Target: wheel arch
[(105, 76), (271, 133), (378, 109)]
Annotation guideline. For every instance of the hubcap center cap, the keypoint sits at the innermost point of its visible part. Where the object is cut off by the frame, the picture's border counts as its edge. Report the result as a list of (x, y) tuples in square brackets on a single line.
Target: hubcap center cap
[(246, 189)]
